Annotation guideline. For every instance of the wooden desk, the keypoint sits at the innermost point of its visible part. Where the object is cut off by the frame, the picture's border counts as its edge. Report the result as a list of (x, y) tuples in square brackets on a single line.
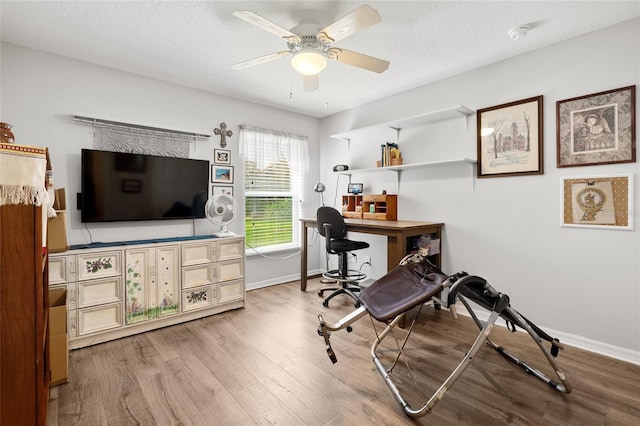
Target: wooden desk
[(397, 232)]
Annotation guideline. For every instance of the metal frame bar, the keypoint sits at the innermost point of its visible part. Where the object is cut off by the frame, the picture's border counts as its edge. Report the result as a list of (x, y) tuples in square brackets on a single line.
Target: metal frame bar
[(100, 121)]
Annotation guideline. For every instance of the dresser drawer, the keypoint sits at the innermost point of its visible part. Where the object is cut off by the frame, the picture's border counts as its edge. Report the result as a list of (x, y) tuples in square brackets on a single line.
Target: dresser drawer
[(197, 298), (99, 318), (228, 292), (229, 270), (97, 292), (196, 276), (197, 253), (104, 264), (57, 270), (233, 249)]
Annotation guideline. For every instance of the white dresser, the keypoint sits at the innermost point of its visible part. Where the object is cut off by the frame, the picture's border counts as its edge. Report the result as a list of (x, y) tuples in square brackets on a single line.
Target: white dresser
[(120, 290)]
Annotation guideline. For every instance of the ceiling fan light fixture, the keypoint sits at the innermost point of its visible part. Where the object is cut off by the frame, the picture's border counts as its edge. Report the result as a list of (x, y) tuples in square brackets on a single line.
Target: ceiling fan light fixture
[(308, 62)]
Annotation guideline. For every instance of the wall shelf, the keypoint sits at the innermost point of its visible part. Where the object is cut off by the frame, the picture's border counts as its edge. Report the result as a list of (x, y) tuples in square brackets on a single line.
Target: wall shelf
[(378, 131), (407, 166)]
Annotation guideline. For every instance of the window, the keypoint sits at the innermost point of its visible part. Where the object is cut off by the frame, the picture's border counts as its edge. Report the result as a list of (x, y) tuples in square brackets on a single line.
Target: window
[(275, 165)]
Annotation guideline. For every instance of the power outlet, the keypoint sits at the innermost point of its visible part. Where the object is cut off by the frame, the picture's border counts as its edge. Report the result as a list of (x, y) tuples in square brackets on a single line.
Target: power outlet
[(367, 259)]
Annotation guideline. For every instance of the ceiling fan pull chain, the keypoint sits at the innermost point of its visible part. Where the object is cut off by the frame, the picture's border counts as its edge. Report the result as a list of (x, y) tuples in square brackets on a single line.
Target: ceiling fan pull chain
[(326, 90), (290, 84)]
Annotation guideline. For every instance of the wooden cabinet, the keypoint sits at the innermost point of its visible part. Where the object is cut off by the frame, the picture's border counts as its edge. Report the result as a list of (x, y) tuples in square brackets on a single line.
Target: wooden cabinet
[(352, 206), (24, 300), (123, 290), (152, 280), (380, 207)]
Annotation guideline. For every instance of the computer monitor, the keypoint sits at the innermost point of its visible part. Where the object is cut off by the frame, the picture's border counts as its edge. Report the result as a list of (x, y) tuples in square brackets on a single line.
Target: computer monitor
[(355, 188)]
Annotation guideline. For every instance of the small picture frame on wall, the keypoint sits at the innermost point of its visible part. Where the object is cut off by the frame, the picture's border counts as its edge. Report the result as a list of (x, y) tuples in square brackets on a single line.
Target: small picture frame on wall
[(597, 129), (510, 139), (222, 190), (221, 174), (221, 156), (604, 202)]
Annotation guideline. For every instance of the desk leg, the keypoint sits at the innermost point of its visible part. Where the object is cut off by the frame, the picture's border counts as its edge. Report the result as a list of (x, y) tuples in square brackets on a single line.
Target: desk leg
[(396, 250), (303, 259)]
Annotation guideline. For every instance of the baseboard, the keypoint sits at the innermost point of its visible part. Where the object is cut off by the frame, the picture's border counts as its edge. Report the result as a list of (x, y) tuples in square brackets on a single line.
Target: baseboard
[(281, 280), (601, 348)]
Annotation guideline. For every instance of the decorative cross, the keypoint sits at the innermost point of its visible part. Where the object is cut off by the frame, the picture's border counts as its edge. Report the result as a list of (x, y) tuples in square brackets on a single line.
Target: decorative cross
[(223, 132)]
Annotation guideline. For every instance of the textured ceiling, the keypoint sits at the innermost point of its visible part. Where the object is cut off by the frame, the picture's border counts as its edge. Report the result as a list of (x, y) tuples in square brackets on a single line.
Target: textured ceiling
[(194, 43)]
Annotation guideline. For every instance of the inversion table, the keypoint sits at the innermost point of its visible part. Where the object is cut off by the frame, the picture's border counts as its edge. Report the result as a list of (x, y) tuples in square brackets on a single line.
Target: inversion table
[(416, 281)]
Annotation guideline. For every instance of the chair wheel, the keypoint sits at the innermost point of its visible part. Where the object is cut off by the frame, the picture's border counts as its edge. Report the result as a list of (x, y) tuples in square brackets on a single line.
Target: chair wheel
[(349, 329), (357, 304), (320, 293), (325, 303)]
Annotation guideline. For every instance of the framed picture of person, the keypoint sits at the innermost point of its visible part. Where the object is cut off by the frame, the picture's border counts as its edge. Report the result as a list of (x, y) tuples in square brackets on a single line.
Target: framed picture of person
[(221, 156), (597, 128)]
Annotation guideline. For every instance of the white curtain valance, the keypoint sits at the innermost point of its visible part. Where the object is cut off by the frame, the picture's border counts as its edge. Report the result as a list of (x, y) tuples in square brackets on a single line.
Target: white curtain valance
[(264, 147)]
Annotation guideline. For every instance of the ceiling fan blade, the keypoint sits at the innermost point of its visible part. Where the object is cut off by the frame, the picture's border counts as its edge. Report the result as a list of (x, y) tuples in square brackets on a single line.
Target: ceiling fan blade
[(260, 60), (267, 25), (356, 20), (358, 59), (310, 82)]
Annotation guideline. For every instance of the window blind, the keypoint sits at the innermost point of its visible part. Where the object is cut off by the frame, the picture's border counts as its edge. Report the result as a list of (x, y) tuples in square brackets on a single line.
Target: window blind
[(275, 168)]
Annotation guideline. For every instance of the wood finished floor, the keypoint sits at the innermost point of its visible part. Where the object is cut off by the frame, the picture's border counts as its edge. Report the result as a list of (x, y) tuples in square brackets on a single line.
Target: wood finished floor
[(266, 365)]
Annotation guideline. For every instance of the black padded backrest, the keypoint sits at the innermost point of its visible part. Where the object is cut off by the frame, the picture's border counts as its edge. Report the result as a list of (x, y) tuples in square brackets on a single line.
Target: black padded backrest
[(332, 216)]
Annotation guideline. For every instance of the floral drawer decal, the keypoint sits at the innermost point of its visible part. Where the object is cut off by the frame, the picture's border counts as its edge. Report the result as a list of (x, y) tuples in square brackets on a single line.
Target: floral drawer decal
[(92, 266), (198, 298)]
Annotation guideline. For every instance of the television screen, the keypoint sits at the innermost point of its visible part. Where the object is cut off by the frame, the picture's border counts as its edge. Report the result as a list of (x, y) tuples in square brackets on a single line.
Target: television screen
[(122, 187)]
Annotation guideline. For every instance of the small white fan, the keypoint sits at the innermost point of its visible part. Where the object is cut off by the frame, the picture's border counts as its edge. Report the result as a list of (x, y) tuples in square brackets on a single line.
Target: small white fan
[(221, 210)]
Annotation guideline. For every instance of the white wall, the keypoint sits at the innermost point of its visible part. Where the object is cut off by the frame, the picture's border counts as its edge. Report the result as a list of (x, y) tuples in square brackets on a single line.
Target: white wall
[(40, 92), (583, 284)]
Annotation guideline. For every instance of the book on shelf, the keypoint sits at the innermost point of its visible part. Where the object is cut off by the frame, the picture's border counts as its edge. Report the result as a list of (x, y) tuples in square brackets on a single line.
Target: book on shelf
[(389, 152)]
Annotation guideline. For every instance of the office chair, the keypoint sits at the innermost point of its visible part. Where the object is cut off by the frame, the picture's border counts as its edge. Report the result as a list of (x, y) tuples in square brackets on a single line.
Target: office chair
[(332, 227)]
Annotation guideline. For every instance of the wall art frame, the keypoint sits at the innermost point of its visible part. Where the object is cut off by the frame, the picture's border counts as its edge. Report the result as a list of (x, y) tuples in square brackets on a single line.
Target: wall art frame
[(222, 190), (596, 129), (221, 156), (221, 174), (600, 202), (510, 139)]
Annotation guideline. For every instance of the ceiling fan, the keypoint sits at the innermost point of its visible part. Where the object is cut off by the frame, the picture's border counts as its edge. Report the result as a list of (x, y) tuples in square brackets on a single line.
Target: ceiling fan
[(310, 46)]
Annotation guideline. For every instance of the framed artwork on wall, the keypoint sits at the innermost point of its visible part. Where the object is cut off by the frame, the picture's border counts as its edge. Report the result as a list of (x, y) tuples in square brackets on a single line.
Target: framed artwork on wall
[(598, 201), (221, 174), (510, 139), (222, 190), (221, 156), (597, 128)]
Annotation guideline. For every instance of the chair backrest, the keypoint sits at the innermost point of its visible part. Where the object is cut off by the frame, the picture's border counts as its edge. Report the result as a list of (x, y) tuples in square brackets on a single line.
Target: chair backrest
[(332, 216)]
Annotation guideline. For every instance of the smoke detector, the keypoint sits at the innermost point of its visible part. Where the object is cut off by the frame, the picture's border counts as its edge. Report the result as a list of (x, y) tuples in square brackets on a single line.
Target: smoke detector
[(518, 32)]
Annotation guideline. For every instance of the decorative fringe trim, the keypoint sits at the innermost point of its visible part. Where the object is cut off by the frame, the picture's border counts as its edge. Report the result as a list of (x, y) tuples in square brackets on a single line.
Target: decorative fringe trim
[(23, 195)]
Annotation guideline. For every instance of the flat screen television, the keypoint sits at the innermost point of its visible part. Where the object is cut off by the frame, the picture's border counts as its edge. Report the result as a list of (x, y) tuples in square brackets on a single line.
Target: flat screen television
[(126, 187)]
